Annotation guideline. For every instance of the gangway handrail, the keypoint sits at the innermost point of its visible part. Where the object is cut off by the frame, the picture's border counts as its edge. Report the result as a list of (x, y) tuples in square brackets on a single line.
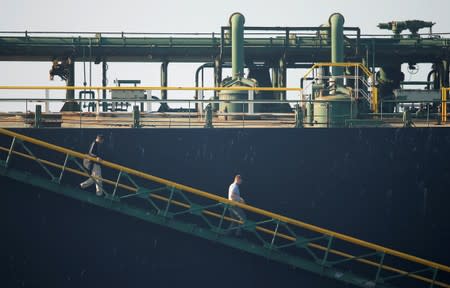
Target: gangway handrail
[(223, 200)]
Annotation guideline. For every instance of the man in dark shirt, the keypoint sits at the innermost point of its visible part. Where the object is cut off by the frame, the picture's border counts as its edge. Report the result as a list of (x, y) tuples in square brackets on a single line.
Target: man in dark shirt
[(96, 170)]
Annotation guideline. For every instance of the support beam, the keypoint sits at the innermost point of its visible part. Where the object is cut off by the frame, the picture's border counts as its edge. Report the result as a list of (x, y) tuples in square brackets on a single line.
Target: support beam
[(70, 94), (217, 79), (70, 104), (164, 79), (275, 77), (217, 74), (282, 75), (444, 73), (104, 83)]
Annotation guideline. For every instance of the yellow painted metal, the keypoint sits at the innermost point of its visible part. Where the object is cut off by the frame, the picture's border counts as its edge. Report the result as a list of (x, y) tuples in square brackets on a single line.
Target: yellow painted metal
[(216, 215), (140, 88), (345, 64), (226, 201), (375, 99), (444, 93), (355, 65)]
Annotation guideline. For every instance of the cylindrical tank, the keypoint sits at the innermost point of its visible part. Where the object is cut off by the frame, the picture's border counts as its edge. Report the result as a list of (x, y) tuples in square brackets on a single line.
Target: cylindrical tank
[(233, 95), (333, 111)]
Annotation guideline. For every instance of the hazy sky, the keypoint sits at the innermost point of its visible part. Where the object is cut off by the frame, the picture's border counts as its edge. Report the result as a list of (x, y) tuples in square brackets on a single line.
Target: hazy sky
[(189, 16)]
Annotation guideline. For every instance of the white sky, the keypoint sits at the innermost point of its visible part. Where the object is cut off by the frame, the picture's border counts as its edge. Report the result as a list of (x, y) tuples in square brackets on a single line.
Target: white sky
[(189, 16)]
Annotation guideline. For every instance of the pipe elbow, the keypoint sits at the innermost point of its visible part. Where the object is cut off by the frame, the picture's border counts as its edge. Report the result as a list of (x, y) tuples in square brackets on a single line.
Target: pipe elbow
[(336, 18), (236, 16)]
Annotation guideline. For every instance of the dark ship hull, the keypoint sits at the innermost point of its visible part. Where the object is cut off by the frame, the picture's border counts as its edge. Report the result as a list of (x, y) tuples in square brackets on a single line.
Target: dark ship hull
[(387, 186)]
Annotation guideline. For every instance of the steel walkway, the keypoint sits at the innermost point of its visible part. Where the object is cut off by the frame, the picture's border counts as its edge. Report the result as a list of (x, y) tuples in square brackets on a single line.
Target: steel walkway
[(206, 215)]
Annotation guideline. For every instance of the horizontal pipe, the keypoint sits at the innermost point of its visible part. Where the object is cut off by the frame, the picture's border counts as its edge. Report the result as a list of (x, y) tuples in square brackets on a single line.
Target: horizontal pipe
[(292, 28)]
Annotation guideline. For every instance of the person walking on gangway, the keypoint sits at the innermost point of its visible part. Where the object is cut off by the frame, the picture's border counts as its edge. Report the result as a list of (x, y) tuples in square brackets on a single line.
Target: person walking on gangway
[(237, 213), (94, 168)]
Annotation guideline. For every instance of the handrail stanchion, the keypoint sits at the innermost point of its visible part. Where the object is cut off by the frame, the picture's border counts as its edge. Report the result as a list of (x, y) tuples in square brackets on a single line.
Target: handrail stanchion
[(243, 113), (251, 94), (11, 148), (444, 92), (189, 112), (47, 104), (63, 168), (149, 101), (97, 108), (26, 111)]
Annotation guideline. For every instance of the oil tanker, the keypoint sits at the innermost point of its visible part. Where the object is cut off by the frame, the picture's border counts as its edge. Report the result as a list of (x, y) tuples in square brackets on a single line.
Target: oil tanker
[(346, 183)]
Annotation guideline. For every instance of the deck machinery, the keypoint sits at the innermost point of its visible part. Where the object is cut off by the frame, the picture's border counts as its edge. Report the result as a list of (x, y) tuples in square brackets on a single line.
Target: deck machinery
[(268, 57)]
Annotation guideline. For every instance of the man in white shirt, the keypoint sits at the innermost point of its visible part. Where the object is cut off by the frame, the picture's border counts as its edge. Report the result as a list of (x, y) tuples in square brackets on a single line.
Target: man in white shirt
[(236, 212)]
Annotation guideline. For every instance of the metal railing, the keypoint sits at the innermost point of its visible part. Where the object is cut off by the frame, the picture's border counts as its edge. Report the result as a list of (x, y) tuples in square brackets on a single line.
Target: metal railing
[(409, 113), (192, 113), (189, 110), (364, 84), (203, 214)]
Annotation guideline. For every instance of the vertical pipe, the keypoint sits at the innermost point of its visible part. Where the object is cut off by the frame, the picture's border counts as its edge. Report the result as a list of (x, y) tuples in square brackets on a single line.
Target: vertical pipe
[(237, 21), (217, 80), (47, 104), (336, 22), (70, 94), (282, 73), (38, 116), (164, 79), (275, 77), (445, 73), (104, 83), (136, 117)]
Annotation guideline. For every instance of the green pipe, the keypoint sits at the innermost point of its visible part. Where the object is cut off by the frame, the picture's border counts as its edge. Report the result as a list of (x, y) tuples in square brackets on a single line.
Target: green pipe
[(38, 116), (275, 77), (282, 74), (164, 79), (237, 21), (217, 79), (336, 22)]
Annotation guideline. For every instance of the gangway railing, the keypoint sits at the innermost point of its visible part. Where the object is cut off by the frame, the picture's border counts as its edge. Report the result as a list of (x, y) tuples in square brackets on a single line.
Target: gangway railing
[(193, 211)]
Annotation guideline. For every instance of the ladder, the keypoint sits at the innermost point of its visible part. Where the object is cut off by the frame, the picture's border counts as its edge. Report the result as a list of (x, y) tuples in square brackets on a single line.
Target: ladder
[(205, 215), (361, 82)]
